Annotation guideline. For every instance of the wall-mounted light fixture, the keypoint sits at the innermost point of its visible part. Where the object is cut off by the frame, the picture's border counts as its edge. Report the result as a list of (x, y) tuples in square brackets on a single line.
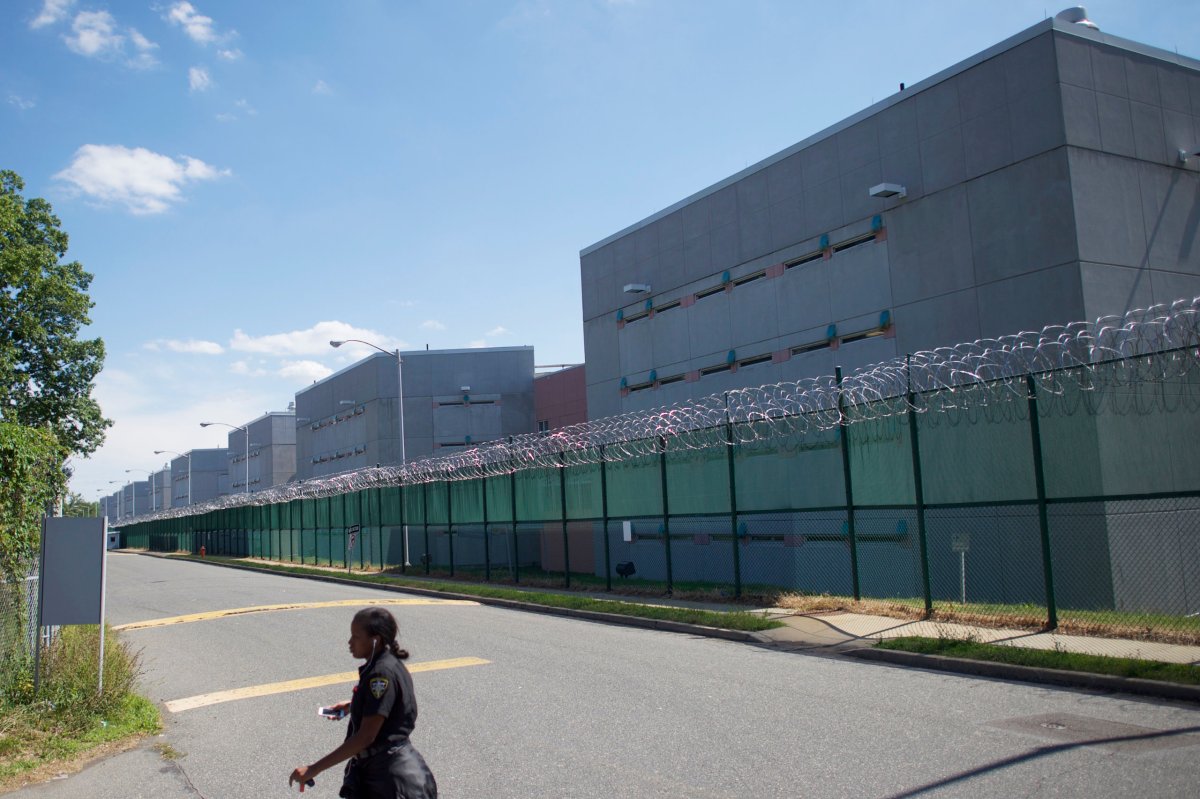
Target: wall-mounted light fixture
[(1184, 155), (637, 288), (888, 190)]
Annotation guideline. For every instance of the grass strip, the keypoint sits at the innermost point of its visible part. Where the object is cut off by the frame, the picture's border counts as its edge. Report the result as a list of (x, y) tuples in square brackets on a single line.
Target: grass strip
[(1181, 673), (740, 620), (33, 736)]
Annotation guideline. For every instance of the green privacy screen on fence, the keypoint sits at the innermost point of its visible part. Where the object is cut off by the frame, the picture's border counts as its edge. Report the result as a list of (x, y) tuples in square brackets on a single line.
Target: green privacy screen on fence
[(1073, 501)]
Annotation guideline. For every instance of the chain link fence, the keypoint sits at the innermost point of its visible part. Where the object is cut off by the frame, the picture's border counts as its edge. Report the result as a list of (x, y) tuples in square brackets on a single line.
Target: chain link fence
[(1066, 498)]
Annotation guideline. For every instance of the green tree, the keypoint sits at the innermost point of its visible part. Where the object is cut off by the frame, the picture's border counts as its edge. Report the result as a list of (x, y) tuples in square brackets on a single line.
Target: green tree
[(76, 505), (46, 371), (31, 476)]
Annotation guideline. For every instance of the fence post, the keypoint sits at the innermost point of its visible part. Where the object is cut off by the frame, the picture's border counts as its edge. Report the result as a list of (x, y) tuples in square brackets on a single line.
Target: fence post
[(300, 527), (512, 493), (918, 488), (379, 525), (487, 542), (450, 523), (329, 518), (662, 470), (562, 495), (362, 529), (604, 519), (843, 434), (405, 561), (1039, 477), (425, 504), (733, 511)]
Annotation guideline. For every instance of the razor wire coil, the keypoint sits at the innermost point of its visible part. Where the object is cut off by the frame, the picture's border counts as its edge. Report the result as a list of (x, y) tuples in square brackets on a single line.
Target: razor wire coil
[(1149, 345)]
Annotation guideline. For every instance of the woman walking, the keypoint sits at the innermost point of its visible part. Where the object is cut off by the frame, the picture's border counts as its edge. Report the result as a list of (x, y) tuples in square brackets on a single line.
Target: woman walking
[(383, 763)]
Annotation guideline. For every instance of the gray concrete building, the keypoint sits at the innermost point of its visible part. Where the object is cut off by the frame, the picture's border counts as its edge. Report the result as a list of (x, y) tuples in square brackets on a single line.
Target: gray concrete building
[(1048, 179), (160, 483), (453, 399), (272, 452), (196, 476)]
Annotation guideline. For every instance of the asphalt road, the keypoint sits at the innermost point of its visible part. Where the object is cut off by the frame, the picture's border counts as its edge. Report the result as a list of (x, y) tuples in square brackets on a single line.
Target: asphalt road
[(568, 708)]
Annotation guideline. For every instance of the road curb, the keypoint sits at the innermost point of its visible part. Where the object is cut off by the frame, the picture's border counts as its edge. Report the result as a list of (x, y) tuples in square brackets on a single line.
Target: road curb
[(512, 604), (1007, 671)]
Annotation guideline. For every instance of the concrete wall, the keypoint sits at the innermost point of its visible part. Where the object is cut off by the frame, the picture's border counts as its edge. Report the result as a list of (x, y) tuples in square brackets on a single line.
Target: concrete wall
[(207, 471), (272, 452), (1043, 186), (560, 398), (349, 419)]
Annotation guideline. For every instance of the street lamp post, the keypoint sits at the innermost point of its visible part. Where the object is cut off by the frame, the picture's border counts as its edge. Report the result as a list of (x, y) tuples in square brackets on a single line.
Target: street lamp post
[(400, 414), (245, 430), (149, 484), (181, 455), (121, 501)]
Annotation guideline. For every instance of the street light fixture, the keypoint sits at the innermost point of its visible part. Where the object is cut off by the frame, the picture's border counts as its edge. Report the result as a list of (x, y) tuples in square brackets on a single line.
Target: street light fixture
[(181, 455), (245, 430), (149, 484), (399, 403)]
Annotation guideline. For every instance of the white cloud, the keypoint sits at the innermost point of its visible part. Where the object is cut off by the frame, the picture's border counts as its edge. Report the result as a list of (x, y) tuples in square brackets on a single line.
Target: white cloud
[(476, 344), (432, 324), (246, 370), (191, 346), (313, 341), (498, 331), (197, 26), (229, 55), (198, 79), (96, 35), (52, 11), (304, 370), (145, 51), (321, 87), (20, 102), (143, 181)]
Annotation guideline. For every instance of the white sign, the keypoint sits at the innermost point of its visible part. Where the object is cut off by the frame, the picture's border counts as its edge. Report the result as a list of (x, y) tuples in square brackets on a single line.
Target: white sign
[(961, 542)]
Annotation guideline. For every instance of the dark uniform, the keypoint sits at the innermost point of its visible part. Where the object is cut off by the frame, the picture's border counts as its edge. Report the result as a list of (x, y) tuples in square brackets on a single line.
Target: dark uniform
[(390, 768)]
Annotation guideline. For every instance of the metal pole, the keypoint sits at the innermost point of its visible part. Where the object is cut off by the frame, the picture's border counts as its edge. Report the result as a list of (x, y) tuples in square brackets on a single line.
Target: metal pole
[(512, 493), (662, 470), (562, 494), (733, 512), (918, 488), (247, 431), (1039, 476), (425, 508), (450, 525), (487, 542), (851, 532), (604, 519), (403, 450), (189, 457)]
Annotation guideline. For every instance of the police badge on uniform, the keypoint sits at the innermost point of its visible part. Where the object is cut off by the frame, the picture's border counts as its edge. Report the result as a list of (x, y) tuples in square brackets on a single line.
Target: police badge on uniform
[(378, 685)]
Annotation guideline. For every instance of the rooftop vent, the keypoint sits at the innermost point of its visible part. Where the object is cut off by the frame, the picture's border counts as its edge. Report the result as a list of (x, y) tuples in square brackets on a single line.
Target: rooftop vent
[(1078, 15)]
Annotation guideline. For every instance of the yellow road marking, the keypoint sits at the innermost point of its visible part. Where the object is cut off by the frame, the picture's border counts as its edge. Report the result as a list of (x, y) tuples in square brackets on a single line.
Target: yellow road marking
[(216, 698), (220, 614)]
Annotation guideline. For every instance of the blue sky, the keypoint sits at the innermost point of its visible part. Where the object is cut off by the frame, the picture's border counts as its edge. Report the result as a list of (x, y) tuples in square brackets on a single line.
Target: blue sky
[(247, 180)]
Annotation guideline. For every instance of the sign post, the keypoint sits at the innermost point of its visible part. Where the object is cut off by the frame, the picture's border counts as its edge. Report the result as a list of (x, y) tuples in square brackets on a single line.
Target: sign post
[(351, 534), (71, 577), (961, 543)]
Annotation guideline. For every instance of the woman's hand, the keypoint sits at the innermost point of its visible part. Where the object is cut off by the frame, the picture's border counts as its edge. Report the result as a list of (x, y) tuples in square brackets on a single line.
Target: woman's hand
[(343, 709), (303, 775)]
